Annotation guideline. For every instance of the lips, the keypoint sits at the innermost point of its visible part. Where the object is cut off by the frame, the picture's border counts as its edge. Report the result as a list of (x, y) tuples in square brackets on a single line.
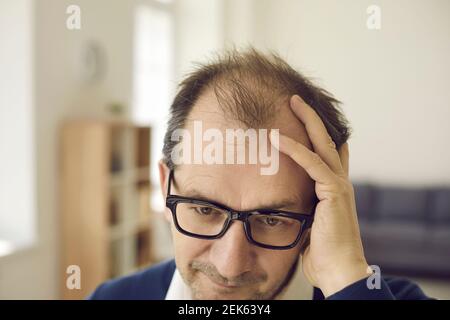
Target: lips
[(224, 285)]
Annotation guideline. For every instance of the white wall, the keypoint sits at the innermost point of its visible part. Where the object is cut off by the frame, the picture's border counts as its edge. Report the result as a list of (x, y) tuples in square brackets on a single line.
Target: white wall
[(17, 200), (17, 152), (199, 32), (393, 82)]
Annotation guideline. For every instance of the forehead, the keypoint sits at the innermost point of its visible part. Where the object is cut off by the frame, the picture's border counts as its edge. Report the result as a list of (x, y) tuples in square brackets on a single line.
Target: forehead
[(208, 110), (242, 186)]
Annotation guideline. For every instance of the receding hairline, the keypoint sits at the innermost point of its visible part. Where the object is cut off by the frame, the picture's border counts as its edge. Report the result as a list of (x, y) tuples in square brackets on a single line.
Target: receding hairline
[(230, 112), (249, 86)]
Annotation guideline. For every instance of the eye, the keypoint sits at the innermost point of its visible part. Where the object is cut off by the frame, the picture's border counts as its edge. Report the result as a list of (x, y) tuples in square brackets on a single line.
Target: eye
[(205, 211), (271, 221)]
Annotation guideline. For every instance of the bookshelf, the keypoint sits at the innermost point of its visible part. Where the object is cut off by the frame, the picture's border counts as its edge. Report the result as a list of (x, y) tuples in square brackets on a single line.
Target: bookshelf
[(106, 218)]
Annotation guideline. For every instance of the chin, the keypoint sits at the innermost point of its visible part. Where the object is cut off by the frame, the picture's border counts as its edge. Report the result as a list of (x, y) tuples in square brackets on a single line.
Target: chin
[(210, 292), (221, 296)]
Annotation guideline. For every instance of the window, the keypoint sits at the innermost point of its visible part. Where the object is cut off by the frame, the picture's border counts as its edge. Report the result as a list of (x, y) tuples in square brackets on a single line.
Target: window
[(153, 71)]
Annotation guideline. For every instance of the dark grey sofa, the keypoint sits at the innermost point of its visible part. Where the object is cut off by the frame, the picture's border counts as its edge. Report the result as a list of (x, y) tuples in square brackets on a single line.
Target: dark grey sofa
[(405, 230)]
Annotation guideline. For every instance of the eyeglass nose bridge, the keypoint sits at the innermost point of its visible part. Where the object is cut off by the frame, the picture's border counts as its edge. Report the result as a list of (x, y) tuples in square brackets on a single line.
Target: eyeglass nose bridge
[(238, 215), (241, 216)]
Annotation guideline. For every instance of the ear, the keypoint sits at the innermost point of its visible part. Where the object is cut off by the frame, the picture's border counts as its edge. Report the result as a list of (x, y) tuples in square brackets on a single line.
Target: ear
[(163, 181), (163, 176)]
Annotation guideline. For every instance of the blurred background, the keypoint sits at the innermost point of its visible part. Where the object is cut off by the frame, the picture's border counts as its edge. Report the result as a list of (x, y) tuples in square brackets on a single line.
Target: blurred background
[(85, 87)]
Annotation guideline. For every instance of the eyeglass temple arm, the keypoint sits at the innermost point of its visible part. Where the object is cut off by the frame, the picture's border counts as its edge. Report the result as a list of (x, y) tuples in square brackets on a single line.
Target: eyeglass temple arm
[(169, 182)]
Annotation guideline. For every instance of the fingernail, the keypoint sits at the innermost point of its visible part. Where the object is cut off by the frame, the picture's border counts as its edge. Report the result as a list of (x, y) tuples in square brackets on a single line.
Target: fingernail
[(298, 98)]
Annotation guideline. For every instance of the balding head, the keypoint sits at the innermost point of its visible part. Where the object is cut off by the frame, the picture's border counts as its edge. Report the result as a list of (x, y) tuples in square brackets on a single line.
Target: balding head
[(250, 88)]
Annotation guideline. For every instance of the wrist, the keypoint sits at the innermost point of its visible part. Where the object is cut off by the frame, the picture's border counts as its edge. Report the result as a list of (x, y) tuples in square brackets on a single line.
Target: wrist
[(341, 276)]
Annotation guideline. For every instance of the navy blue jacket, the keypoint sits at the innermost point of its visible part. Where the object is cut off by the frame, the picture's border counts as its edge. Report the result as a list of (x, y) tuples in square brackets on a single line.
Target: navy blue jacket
[(153, 283)]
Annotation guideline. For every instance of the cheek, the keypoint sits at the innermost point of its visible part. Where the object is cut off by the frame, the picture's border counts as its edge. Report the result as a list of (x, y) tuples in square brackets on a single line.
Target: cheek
[(168, 215), (277, 264), (187, 248)]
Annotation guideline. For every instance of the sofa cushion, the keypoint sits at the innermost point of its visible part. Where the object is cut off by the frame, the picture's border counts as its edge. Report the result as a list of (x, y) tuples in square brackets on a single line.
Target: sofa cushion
[(401, 204), (364, 198), (439, 207)]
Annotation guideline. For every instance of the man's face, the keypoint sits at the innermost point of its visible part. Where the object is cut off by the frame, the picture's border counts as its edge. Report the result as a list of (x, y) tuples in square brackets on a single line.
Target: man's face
[(231, 267)]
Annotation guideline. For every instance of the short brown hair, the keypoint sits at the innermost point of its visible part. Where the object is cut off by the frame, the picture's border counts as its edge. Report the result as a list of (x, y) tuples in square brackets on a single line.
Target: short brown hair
[(249, 86)]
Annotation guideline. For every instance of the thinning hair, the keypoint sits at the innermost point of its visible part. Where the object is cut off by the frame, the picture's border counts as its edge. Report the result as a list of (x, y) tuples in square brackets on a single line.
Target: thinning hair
[(250, 86)]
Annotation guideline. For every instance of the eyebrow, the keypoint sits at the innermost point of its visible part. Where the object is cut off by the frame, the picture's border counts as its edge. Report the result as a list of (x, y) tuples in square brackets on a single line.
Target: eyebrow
[(277, 205)]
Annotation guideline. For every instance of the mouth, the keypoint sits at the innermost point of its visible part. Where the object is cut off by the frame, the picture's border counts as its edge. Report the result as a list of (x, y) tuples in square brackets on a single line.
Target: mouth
[(222, 284)]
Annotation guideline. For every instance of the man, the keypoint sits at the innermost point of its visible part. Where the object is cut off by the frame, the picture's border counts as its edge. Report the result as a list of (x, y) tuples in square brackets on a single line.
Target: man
[(240, 232)]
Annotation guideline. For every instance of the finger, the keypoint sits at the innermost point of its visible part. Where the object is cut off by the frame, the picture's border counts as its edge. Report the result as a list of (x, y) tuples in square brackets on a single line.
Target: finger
[(323, 145), (344, 155), (316, 168)]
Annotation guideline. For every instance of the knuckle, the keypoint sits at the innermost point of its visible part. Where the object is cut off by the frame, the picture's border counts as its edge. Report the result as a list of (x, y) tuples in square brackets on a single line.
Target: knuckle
[(331, 144), (316, 159)]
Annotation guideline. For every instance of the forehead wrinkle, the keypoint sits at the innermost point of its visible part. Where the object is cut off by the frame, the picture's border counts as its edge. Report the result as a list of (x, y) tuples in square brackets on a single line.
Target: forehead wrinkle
[(189, 184), (190, 189), (293, 202)]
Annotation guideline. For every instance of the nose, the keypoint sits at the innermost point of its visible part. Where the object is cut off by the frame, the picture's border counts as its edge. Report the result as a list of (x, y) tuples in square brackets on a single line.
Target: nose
[(232, 254)]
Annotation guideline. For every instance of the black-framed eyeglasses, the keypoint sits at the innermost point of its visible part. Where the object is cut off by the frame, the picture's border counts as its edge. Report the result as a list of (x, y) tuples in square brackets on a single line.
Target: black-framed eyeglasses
[(267, 228)]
